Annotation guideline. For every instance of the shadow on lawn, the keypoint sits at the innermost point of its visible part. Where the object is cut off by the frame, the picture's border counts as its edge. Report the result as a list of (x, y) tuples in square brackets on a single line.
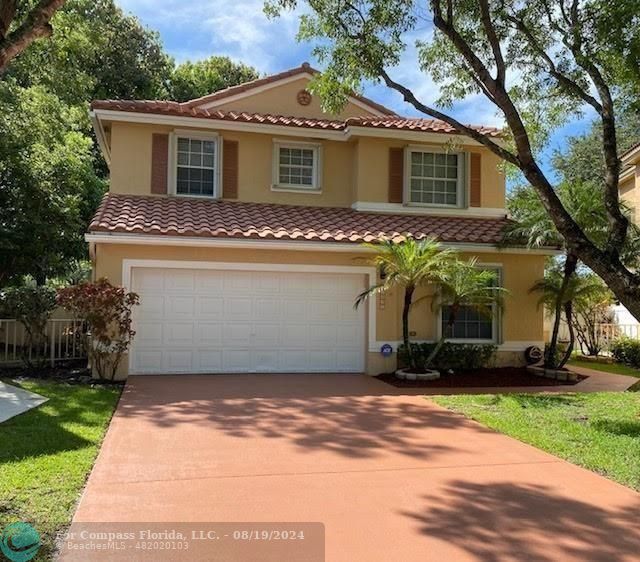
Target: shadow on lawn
[(500, 521), (617, 427), (335, 414), (41, 431)]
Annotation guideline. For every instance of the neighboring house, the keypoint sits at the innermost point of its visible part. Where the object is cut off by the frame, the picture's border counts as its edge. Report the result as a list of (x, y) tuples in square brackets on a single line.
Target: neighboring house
[(239, 219), (630, 180)]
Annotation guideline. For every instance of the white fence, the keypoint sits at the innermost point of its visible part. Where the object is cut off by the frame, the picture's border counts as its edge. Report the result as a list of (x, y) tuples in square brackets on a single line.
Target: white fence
[(63, 342)]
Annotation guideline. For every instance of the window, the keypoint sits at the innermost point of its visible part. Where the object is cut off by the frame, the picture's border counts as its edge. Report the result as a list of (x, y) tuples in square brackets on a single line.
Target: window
[(435, 178), (196, 163), (471, 324), (296, 166)]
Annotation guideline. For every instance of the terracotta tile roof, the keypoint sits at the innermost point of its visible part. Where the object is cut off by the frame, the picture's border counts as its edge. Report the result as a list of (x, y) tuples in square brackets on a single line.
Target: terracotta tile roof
[(629, 150), (415, 124), (304, 68), (181, 110), (176, 216)]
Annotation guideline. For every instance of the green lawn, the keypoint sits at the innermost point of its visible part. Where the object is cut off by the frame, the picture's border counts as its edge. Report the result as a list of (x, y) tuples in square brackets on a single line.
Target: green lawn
[(599, 431), (615, 368), (47, 453)]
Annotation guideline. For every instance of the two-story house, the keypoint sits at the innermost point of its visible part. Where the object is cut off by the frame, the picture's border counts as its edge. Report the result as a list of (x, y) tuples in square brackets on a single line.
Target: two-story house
[(239, 219), (630, 180)]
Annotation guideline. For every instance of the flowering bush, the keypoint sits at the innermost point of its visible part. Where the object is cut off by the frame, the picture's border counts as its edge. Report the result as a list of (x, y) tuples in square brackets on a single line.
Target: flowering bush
[(107, 311), (31, 304)]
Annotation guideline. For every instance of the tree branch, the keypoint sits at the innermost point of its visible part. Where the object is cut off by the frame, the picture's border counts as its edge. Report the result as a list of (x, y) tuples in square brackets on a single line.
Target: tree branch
[(7, 13), (490, 30), (35, 26)]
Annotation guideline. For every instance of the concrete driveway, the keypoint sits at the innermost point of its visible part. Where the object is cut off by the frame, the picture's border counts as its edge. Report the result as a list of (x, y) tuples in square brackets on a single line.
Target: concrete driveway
[(393, 477)]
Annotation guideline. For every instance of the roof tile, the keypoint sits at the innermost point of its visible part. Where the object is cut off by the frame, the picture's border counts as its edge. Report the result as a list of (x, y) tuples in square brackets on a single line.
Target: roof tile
[(175, 216)]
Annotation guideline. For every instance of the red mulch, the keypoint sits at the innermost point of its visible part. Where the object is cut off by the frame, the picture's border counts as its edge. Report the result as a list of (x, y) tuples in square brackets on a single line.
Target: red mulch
[(479, 378)]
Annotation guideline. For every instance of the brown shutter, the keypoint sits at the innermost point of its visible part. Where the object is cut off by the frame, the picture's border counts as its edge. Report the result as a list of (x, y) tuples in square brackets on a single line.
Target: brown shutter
[(396, 175), (230, 169), (159, 163), (475, 186)]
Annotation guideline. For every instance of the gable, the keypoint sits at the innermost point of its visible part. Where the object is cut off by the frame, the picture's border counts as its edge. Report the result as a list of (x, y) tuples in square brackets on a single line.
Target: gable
[(282, 97)]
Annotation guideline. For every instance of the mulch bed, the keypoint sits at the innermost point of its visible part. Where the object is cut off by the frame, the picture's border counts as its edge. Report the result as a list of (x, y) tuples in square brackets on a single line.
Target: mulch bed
[(480, 378)]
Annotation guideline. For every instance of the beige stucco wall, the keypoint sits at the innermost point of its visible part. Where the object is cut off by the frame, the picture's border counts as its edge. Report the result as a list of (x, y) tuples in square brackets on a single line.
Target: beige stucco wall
[(282, 100), (372, 164), (630, 193), (522, 320), (352, 171)]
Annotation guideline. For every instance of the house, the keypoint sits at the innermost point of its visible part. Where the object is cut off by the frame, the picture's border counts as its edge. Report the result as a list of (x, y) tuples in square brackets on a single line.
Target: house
[(630, 180), (239, 218)]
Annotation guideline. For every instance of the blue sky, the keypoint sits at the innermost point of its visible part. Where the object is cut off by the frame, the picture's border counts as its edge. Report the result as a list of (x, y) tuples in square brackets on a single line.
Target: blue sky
[(196, 29)]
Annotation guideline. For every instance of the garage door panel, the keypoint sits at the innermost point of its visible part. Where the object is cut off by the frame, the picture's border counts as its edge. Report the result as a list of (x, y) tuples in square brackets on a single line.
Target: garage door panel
[(267, 308), (178, 360), (148, 334), (208, 333), (179, 306), (209, 282), (180, 281), (237, 334), (210, 321), (179, 334), (236, 282), (209, 307), (236, 360)]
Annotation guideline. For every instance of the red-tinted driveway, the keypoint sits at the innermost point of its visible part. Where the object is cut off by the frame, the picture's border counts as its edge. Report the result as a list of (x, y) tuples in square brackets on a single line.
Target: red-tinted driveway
[(393, 477)]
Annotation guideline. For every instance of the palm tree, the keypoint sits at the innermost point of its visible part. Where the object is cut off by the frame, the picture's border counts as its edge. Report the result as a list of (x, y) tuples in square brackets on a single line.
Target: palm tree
[(463, 284), (533, 227), (576, 291), (408, 265)]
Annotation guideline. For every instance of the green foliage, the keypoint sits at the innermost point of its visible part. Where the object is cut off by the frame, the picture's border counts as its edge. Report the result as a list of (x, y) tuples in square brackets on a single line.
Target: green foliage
[(107, 311), (192, 80), (32, 305), (96, 51), (49, 187), (454, 356), (626, 350)]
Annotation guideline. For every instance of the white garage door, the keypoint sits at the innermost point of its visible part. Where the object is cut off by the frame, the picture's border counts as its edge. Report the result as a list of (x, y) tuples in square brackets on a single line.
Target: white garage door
[(212, 321)]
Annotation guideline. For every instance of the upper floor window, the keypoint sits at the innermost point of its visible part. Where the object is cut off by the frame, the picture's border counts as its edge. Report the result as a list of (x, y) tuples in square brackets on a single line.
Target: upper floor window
[(196, 165), (435, 178), (296, 166)]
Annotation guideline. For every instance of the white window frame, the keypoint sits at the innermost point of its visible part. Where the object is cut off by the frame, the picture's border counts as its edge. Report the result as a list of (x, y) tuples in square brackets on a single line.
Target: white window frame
[(496, 316), (462, 183), (316, 186), (172, 179)]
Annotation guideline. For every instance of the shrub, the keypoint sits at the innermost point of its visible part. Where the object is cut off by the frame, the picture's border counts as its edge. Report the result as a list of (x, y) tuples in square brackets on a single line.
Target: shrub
[(107, 312), (455, 356), (31, 304), (625, 350)]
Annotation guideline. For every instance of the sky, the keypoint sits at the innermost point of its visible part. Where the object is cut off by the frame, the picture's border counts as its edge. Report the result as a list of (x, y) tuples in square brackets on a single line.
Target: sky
[(196, 29)]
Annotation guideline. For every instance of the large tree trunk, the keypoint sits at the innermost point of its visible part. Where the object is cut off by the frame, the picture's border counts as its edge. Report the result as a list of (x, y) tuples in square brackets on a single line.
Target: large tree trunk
[(35, 26)]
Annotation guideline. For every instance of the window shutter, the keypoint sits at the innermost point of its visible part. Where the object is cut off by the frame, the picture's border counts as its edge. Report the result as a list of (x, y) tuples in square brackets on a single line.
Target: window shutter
[(396, 174), (230, 169), (159, 163), (475, 184)]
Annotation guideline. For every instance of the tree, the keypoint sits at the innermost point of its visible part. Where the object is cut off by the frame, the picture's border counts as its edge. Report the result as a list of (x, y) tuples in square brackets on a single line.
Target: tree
[(97, 52), (49, 188), (191, 80), (463, 284), (538, 62), (407, 265), (581, 291), (23, 23), (107, 310), (590, 312)]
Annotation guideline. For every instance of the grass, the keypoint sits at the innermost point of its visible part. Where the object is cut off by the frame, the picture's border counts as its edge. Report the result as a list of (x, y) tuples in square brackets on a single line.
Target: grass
[(47, 453), (599, 431), (615, 368)]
